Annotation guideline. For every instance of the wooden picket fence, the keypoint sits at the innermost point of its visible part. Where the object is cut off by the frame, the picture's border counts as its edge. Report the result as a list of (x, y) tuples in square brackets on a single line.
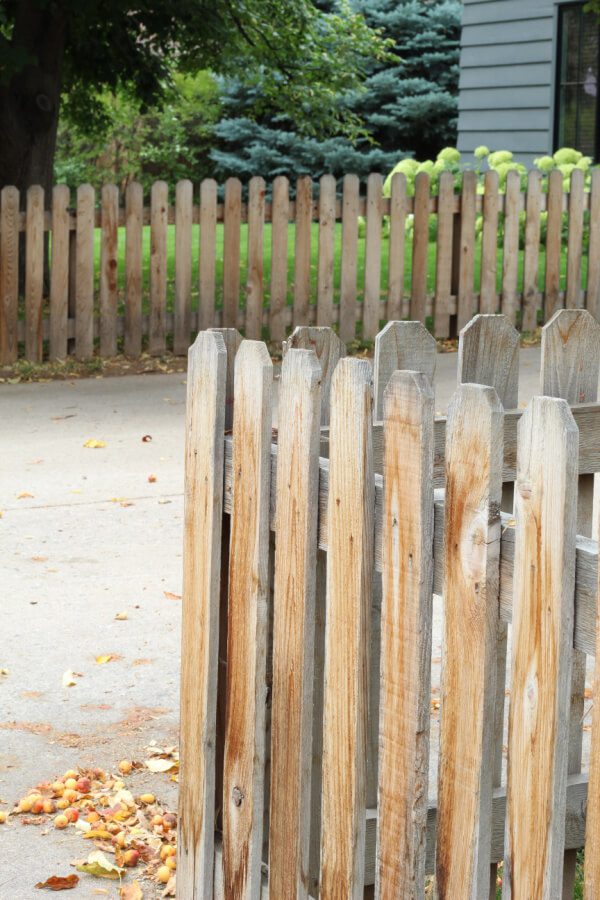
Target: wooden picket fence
[(312, 552), (104, 294)]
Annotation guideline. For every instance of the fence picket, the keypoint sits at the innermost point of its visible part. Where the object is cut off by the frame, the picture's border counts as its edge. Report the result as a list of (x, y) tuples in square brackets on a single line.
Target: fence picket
[(488, 353), (372, 311), (574, 296), (329, 350), (108, 270), (471, 587), (350, 203), (254, 278), (593, 278), (302, 249), (465, 300), (325, 263), (159, 212), (418, 297), (553, 243), (34, 272), (349, 583), (206, 385), (570, 337), (443, 262), (591, 870), (232, 213), (207, 253), (532, 251), (544, 570), (280, 214), (134, 214), (84, 273), (294, 623), (9, 274), (488, 300), (406, 623), (243, 776), (59, 272), (182, 306), (401, 345), (397, 242), (510, 252)]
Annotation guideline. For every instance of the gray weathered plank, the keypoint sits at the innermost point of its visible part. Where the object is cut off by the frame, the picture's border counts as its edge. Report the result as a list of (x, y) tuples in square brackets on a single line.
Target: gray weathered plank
[(401, 345), (329, 349)]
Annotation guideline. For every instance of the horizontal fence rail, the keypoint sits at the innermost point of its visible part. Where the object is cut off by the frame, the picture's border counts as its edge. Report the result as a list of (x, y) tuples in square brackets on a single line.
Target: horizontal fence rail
[(106, 272), (313, 555)]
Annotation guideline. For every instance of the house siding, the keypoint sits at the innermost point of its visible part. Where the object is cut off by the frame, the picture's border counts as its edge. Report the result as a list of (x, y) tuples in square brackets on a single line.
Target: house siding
[(507, 76)]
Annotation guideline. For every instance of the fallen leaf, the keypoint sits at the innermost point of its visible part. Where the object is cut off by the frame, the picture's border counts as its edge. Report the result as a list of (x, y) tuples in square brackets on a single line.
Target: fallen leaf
[(39, 559), (94, 444), (24, 495), (98, 833), (99, 865), (127, 503), (59, 883), (131, 891), (68, 679), (161, 765), (3, 671), (151, 478), (147, 438), (171, 888), (162, 502), (107, 657), (171, 596), (121, 616)]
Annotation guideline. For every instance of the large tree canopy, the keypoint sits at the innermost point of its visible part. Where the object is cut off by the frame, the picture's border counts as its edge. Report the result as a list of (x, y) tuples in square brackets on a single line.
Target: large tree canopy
[(50, 48)]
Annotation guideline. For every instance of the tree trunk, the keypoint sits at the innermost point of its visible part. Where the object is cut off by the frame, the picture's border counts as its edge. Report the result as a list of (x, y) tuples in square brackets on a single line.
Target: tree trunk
[(29, 102)]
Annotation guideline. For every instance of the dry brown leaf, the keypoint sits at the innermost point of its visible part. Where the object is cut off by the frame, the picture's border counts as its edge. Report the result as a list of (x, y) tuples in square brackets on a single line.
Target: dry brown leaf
[(59, 883), (131, 891), (171, 596)]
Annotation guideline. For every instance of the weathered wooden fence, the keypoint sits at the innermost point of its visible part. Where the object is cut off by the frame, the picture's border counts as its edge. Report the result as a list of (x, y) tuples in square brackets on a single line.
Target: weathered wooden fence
[(312, 555), (265, 266)]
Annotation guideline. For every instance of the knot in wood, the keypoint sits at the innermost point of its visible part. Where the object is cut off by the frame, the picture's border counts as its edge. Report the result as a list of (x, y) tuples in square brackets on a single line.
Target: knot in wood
[(237, 796)]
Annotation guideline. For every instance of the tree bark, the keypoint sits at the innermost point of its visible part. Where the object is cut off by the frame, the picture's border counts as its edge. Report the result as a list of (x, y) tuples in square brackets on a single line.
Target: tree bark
[(29, 102)]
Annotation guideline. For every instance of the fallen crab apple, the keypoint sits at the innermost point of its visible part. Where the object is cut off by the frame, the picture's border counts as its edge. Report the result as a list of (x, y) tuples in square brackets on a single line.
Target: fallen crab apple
[(127, 831)]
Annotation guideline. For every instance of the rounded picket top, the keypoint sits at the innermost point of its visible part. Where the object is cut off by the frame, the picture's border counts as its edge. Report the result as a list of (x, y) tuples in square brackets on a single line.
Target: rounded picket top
[(401, 345), (570, 365), (488, 353)]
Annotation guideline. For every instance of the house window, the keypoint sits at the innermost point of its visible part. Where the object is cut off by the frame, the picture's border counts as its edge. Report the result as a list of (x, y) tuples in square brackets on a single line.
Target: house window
[(577, 117)]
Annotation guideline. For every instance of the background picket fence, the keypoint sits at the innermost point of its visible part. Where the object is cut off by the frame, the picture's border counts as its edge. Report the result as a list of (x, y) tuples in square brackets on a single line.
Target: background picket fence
[(118, 278), (312, 552)]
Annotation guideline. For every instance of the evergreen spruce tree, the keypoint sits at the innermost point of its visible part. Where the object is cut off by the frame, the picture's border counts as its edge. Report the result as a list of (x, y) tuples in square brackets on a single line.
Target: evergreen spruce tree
[(408, 106)]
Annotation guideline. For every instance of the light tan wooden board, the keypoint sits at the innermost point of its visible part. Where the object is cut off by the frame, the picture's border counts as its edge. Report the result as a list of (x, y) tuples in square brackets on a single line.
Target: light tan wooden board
[(372, 310), (466, 298), (231, 251), (158, 267), (532, 251), (280, 214), (350, 200), (406, 625), (443, 265), (325, 262), (510, 254), (254, 277), (544, 581), (574, 295), (297, 489), (59, 272), (303, 213), (183, 266), (593, 278), (418, 295), (553, 244), (488, 302), (34, 273), (468, 686), (109, 285), (207, 253), (349, 579), (243, 776), (401, 345), (134, 203), (329, 350), (84, 273), (205, 424), (397, 243)]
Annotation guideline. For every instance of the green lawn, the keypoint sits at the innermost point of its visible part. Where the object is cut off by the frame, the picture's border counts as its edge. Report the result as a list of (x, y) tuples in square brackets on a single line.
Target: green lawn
[(314, 254)]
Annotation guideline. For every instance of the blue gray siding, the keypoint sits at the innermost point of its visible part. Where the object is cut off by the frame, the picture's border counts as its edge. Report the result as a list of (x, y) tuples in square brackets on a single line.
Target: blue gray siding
[(507, 76)]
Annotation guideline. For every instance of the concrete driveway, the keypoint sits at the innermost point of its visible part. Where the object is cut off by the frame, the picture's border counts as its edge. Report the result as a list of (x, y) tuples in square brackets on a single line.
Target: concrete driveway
[(85, 535)]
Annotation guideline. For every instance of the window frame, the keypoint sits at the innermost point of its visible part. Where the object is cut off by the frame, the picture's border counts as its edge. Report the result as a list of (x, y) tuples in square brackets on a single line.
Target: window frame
[(562, 8)]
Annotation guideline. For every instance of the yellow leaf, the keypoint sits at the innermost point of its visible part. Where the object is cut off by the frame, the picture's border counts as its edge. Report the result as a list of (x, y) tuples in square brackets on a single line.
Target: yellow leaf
[(98, 833), (3, 671), (94, 444), (99, 865), (68, 679), (104, 659), (161, 765), (121, 616), (24, 495)]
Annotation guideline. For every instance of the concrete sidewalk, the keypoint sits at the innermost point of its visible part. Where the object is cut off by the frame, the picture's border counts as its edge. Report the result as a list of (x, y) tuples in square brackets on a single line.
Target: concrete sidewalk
[(95, 538)]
